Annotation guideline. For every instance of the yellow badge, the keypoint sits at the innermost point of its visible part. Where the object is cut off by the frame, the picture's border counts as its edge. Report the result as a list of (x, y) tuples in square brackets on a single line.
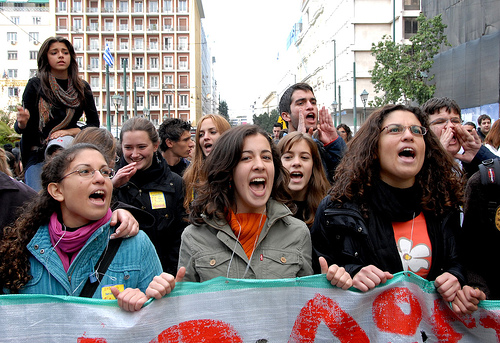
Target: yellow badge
[(106, 292), (157, 200), (497, 218)]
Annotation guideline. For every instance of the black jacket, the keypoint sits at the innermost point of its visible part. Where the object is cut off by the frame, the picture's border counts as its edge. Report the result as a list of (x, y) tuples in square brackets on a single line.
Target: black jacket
[(13, 194), (169, 224), (340, 234)]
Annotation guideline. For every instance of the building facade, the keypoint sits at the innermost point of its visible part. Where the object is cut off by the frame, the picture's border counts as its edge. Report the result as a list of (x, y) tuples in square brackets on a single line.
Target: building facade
[(329, 48), (156, 49), (23, 26)]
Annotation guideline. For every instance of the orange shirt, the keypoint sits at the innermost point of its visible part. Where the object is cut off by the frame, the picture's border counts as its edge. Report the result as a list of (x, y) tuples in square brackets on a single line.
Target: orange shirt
[(251, 225), (414, 246)]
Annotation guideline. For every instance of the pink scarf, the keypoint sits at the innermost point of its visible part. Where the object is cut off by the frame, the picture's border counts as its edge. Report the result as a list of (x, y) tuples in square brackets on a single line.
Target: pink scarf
[(70, 242)]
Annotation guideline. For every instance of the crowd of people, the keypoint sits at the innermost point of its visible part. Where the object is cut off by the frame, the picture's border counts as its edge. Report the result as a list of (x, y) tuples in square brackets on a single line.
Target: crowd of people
[(157, 208)]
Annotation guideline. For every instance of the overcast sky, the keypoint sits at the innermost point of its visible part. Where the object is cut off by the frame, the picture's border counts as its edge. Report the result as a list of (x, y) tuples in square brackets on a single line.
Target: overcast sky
[(245, 38)]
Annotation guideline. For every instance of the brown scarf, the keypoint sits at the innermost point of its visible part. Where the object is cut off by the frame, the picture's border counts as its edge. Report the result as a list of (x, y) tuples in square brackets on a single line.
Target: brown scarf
[(69, 98)]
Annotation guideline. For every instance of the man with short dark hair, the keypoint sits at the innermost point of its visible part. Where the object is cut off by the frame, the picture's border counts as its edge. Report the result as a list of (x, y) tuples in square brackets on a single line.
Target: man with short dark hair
[(298, 108), (444, 117), (484, 122), (176, 143), (276, 132)]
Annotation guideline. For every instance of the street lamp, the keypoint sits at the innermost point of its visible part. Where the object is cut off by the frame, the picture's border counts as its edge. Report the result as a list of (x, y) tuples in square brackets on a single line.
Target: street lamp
[(334, 107), (364, 99), (117, 101)]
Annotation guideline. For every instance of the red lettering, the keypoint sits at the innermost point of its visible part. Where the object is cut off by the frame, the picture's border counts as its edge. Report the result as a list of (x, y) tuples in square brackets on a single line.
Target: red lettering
[(322, 308), (90, 340), (202, 330), (389, 315), (442, 316), (491, 321)]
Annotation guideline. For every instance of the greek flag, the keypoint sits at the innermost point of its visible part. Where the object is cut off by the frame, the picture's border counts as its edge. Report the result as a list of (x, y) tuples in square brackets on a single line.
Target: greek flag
[(107, 56)]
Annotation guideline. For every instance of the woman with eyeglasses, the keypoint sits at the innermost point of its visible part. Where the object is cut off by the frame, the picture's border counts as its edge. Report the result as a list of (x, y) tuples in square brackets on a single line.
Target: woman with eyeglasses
[(55, 246), (394, 205)]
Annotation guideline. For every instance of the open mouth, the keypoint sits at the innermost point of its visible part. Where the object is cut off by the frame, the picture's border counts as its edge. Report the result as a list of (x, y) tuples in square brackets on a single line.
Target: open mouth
[(310, 116), (407, 153), (98, 196), (296, 176), (258, 184)]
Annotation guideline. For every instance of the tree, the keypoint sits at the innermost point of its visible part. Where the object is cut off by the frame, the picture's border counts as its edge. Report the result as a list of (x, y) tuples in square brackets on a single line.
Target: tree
[(7, 133), (223, 110), (267, 121), (402, 70)]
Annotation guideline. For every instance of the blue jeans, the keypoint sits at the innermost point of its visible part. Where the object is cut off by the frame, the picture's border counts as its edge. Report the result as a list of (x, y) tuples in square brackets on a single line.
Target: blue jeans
[(32, 176)]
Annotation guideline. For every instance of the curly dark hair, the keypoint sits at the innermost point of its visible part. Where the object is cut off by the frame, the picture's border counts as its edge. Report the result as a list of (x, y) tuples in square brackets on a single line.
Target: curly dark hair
[(173, 129), (214, 197), (440, 179), (15, 270)]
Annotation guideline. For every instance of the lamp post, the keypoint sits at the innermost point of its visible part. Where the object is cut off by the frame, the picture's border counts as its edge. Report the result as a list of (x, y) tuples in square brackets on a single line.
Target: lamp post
[(364, 99), (117, 101), (334, 107)]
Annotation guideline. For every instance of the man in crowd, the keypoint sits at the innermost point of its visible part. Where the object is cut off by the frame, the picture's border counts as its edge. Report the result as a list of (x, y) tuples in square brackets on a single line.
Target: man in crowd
[(484, 122), (276, 132), (299, 109), (176, 143), (444, 116)]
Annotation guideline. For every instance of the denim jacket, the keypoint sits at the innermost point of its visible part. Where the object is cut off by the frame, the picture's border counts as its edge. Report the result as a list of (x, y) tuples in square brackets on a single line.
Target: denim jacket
[(134, 265)]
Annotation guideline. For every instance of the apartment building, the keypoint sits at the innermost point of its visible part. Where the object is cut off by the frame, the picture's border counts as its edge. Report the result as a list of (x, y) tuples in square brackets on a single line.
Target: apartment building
[(23, 26), (156, 50)]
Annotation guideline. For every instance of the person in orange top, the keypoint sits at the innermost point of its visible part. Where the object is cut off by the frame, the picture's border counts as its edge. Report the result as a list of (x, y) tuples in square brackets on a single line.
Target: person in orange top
[(240, 224)]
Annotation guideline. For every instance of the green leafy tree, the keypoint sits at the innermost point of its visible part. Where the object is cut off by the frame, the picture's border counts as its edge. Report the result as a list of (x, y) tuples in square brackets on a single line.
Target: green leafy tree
[(401, 71), (7, 133), (223, 110), (266, 120)]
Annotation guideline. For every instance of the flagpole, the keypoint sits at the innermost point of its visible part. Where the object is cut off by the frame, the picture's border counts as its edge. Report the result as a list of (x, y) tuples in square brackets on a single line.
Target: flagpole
[(108, 101)]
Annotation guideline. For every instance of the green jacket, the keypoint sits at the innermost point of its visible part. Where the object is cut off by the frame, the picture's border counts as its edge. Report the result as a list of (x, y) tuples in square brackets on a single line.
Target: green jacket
[(283, 249)]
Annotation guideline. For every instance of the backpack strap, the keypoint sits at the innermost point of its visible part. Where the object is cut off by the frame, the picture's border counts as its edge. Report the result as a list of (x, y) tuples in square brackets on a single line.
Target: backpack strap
[(490, 179), (100, 268)]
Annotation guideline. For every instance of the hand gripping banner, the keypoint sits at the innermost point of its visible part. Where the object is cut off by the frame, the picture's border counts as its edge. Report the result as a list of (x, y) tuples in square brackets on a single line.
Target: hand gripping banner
[(405, 309)]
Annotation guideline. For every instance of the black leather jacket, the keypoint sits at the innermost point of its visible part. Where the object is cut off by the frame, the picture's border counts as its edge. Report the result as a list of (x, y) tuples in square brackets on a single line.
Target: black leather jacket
[(340, 234)]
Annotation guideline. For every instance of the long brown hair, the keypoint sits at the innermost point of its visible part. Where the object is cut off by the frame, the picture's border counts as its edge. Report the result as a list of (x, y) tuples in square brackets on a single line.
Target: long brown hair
[(44, 69), (192, 173), (15, 270), (318, 185), (440, 178), (493, 137), (214, 196)]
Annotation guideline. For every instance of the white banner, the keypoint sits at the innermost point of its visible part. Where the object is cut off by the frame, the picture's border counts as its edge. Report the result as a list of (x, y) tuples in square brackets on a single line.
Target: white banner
[(405, 309)]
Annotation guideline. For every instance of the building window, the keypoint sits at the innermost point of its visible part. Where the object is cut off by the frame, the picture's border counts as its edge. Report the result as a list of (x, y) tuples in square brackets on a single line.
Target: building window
[(139, 63), (77, 6), (123, 44), (124, 25), (108, 25), (183, 24), (167, 24), (33, 72), (13, 91), (183, 62), (34, 37), (12, 37), (78, 44), (183, 101), (94, 63), (167, 6), (14, 20), (183, 43), (182, 6), (12, 55), (61, 6), (412, 4), (139, 81), (153, 44), (37, 20), (108, 6), (123, 62), (139, 101), (411, 27), (167, 43), (33, 55), (154, 100), (139, 44), (138, 7), (12, 73), (169, 79), (153, 63), (168, 99), (169, 62), (94, 82), (77, 24), (138, 25), (94, 44), (79, 61), (123, 6), (96, 100), (153, 6), (153, 82), (111, 81)]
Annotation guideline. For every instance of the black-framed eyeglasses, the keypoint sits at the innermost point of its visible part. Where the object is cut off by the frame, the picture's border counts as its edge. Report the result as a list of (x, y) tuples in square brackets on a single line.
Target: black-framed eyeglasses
[(88, 172), (398, 129), (443, 121)]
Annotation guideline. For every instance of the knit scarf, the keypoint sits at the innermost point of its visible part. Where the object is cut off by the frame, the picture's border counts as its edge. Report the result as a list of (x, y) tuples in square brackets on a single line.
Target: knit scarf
[(69, 243), (69, 98), (247, 227)]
